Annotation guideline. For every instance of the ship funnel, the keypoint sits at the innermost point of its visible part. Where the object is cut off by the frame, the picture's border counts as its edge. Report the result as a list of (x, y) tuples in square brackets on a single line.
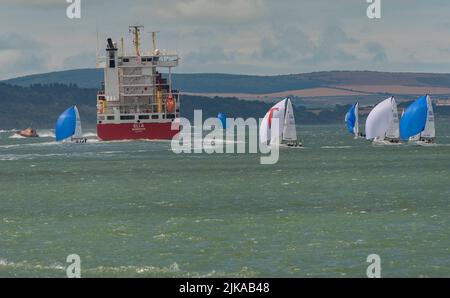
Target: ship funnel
[(110, 44)]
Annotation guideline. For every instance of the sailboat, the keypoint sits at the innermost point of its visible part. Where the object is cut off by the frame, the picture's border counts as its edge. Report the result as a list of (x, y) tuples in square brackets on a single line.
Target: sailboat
[(289, 128), (223, 120), (287, 131), (382, 124), (68, 127), (352, 120), (417, 123)]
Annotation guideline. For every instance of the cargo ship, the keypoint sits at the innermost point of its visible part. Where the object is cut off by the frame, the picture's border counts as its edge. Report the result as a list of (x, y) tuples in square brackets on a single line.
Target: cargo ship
[(137, 100)]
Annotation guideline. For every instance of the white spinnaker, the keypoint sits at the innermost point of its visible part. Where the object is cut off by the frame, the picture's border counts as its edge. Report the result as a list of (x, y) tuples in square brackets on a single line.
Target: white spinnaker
[(393, 131), (78, 131), (379, 119), (430, 130), (289, 130), (276, 112), (279, 110), (356, 129), (264, 133)]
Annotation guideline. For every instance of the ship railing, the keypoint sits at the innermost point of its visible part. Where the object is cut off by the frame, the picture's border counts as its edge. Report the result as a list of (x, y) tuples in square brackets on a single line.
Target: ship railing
[(136, 92), (133, 108), (164, 60), (166, 64), (153, 100), (164, 95)]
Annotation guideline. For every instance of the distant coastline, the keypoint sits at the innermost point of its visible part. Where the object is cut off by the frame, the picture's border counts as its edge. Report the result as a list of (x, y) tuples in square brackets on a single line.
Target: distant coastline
[(319, 98)]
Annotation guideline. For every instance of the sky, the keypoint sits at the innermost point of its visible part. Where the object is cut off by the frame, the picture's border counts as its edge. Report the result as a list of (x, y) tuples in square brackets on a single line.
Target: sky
[(262, 37)]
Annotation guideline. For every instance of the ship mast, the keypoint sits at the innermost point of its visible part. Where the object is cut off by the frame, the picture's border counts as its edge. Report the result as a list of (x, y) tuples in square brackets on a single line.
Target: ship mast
[(136, 30), (154, 40), (122, 47)]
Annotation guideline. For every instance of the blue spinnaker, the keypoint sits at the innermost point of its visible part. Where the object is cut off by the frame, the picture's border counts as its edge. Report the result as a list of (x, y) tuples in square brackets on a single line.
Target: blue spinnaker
[(223, 120), (414, 118), (351, 119), (65, 125)]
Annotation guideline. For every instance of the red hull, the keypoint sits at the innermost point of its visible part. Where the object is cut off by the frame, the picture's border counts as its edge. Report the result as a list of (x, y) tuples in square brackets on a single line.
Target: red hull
[(136, 131)]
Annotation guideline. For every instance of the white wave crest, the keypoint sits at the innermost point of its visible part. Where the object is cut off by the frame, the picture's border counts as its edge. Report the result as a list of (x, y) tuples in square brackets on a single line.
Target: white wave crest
[(46, 133), (17, 136), (90, 134)]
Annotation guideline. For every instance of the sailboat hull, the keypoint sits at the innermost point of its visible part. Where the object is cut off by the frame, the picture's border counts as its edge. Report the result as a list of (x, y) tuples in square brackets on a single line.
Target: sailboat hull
[(423, 143), (386, 142), (292, 145)]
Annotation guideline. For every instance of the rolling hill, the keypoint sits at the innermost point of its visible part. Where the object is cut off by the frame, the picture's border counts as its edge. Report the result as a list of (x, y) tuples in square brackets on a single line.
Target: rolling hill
[(334, 82)]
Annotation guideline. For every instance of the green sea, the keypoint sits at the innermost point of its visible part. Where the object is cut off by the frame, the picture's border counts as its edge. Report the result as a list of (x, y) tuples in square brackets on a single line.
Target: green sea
[(136, 209)]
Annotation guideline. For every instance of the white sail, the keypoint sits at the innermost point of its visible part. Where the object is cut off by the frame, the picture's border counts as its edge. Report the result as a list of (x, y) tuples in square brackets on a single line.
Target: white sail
[(430, 130), (379, 120), (276, 112), (289, 130), (264, 133), (78, 131), (393, 131), (356, 129)]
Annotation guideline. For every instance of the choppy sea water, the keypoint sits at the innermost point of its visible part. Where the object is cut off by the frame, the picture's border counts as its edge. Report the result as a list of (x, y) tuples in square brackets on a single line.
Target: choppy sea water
[(135, 209)]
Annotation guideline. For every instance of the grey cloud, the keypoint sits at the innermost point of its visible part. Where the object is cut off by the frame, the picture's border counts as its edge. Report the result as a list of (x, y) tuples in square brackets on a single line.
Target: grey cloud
[(377, 50), (30, 62), (24, 63), (81, 60), (253, 35), (329, 48), (285, 43), (274, 50), (25, 55), (293, 39), (206, 11), (444, 51), (212, 54), (14, 41), (334, 35), (35, 2), (291, 47)]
